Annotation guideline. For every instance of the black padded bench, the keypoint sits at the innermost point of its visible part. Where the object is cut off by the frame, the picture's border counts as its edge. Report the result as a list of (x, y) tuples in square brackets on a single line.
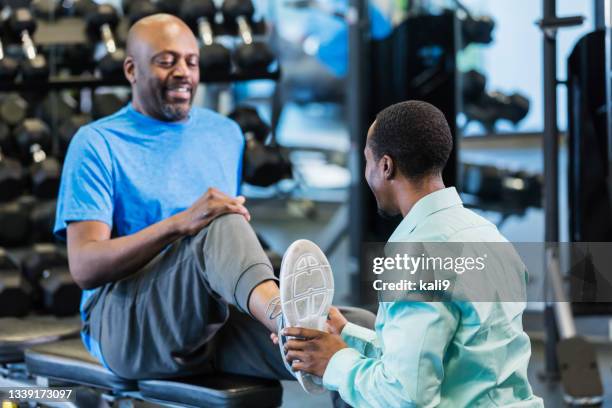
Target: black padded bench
[(18, 334), (68, 361)]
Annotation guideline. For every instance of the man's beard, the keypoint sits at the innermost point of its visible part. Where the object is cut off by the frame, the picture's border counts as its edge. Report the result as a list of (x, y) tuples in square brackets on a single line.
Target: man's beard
[(174, 112)]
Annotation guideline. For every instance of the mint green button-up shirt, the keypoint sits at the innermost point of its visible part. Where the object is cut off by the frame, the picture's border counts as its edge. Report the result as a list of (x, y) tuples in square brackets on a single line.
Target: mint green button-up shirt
[(444, 354)]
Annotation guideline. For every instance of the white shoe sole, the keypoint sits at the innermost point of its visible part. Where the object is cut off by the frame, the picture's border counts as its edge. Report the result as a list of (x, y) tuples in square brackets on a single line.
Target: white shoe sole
[(306, 293)]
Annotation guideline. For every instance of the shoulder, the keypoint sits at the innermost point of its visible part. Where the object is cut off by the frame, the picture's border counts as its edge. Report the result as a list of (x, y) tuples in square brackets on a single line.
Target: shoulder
[(457, 223)]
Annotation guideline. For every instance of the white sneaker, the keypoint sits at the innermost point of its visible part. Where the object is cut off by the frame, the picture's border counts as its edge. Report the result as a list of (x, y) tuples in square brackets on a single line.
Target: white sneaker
[(306, 293)]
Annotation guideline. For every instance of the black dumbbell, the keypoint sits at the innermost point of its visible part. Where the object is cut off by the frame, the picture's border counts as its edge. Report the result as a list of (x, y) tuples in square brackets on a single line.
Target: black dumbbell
[(23, 25), (250, 122), (474, 86), (42, 221), (13, 109), (105, 104), (45, 267), (169, 6), (46, 9), (250, 55), (9, 67), (101, 23), (262, 165), (199, 15), (7, 144), (15, 292), (68, 129), (140, 9), (483, 181), (15, 222), (12, 178), (77, 8), (34, 142)]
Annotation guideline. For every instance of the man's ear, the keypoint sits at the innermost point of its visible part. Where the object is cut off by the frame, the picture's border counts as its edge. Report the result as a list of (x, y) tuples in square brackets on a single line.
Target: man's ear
[(388, 167), (129, 69)]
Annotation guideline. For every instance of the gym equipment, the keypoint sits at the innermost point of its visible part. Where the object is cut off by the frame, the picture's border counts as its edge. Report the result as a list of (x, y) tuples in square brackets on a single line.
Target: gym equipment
[(23, 25), (14, 290), (263, 165), (13, 109), (69, 362), (493, 184), (34, 141), (250, 122), (199, 15), (169, 6), (42, 221), (477, 30), (250, 56), (68, 129), (45, 267), (12, 178), (489, 107), (54, 108), (105, 104), (6, 140), (46, 9), (139, 9), (9, 68), (100, 25), (15, 222), (77, 8)]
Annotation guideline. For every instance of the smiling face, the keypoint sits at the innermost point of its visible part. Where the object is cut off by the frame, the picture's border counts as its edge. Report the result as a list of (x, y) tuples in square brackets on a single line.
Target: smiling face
[(163, 67)]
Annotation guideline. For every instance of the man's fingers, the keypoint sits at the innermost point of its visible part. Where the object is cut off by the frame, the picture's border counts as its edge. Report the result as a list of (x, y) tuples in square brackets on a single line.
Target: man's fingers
[(274, 338), (295, 355), (301, 332), (295, 344), (298, 366)]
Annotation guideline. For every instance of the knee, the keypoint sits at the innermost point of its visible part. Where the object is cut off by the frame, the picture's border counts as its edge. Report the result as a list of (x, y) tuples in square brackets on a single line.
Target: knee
[(233, 221), (358, 316)]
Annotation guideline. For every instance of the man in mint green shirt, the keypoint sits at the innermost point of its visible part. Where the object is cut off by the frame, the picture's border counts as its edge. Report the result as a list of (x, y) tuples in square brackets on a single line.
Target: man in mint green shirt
[(422, 354)]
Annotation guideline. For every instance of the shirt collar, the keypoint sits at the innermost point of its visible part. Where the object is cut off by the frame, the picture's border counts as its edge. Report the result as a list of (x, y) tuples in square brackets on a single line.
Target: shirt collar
[(431, 203)]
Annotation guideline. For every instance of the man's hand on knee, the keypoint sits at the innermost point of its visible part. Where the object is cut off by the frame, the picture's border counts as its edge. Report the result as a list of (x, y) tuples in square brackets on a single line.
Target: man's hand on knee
[(211, 205)]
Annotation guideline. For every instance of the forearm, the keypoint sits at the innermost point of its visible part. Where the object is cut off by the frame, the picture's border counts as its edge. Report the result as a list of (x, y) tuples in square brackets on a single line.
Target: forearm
[(366, 382), (94, 263)]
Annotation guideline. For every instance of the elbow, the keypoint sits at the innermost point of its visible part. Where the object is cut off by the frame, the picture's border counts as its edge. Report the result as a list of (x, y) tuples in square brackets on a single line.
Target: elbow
[(83, 277)]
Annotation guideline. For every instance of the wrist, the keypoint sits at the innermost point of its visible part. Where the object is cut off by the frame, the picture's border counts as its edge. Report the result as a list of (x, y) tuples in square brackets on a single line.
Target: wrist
[(175, 228)]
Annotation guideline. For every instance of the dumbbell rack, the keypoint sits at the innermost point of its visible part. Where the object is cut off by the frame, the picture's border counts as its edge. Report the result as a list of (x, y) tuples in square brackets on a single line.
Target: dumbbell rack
[(70, 31)]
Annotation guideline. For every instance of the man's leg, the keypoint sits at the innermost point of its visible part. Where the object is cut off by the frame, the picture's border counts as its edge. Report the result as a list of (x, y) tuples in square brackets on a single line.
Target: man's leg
[(149, 324), (243, 345)]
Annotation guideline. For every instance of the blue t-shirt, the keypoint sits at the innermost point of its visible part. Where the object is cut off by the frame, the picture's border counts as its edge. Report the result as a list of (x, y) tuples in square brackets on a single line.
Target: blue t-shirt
[(129, 171)]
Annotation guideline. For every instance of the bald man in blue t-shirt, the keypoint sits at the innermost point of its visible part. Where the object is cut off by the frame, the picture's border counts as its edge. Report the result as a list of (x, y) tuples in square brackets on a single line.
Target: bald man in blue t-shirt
[(157, 236)]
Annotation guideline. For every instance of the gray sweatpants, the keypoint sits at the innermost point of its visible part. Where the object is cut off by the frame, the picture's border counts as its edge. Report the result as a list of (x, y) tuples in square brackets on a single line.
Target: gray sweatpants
[(186, 311)]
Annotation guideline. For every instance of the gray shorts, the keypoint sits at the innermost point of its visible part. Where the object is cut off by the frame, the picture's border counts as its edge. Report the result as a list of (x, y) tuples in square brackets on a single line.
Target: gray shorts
[(186, 311), (162, 320)]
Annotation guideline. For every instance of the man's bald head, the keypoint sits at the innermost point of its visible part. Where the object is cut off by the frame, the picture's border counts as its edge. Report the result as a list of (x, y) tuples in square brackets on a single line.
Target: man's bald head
[(155, 29), (162, 65)]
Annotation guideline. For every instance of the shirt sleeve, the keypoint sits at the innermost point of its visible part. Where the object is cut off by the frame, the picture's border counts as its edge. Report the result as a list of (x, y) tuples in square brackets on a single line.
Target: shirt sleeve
[(361, 339), (86, 188), (409, 372)]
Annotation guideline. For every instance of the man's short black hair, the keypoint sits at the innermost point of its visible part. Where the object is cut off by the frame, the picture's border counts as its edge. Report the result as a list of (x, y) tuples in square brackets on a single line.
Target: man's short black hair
[(416, 135)]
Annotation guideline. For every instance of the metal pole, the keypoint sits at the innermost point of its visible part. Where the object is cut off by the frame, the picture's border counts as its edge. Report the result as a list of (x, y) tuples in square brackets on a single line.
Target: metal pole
[(608, 67), (599, 13), (358, 27), (551, 176), (551, 143)]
